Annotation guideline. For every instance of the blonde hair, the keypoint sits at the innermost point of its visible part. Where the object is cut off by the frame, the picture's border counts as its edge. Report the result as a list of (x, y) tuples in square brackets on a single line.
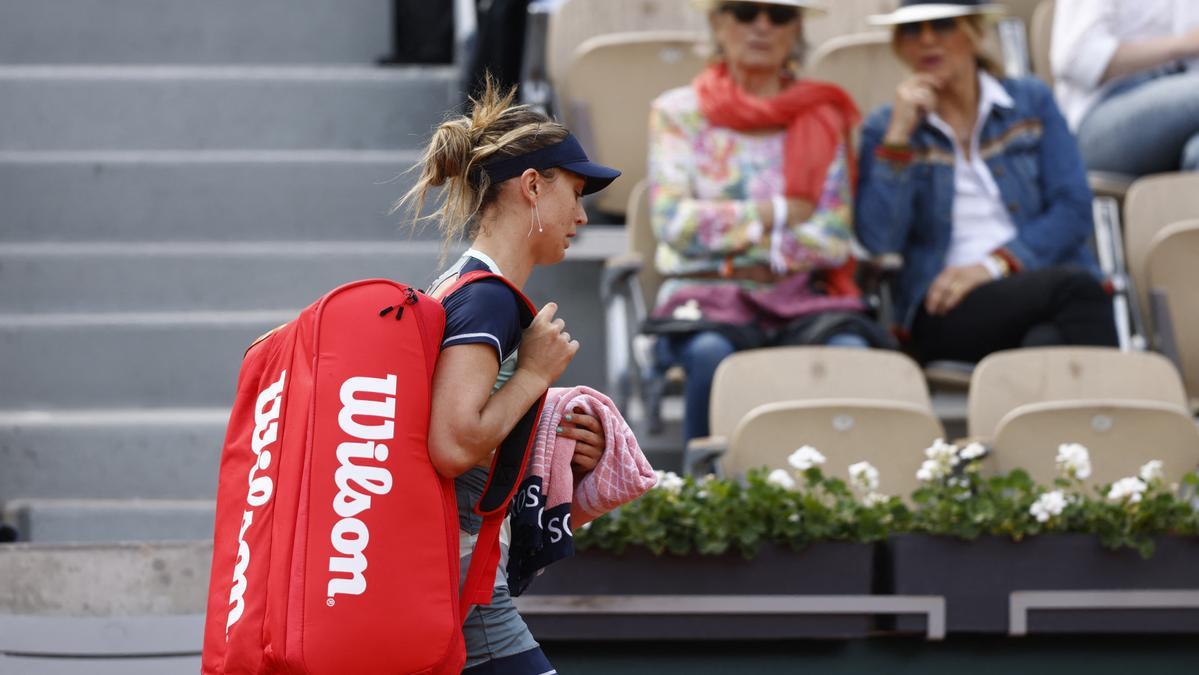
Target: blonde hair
[(460, 147), (974, 28)]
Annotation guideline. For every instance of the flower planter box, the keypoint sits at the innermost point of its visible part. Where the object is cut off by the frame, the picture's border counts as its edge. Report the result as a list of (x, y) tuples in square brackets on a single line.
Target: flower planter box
[(977, 578), (822, 569)]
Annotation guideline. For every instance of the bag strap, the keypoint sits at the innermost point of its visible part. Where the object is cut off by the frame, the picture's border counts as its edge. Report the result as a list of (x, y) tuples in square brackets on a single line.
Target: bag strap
[(507, 467)]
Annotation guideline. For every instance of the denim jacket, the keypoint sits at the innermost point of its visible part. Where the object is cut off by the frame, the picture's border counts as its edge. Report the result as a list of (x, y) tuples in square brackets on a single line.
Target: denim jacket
[(905, 195)]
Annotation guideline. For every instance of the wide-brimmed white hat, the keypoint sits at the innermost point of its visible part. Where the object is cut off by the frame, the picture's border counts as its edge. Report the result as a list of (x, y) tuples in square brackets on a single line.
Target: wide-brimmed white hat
[(805, 5), (915, 11)]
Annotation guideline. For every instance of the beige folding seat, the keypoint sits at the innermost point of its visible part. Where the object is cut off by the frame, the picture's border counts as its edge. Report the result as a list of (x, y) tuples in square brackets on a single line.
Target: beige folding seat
[(891, 435), (843, 397), (1153, 203), (630, 290), (609, 85), (1121, 435), (576, 21), (1006, 380), (1125, 407), (844, 17), (1040, 32), (1173, 278), (862, 64)]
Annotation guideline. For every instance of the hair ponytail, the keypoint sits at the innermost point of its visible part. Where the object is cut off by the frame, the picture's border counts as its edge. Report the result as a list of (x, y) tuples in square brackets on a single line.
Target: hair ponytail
[(459, 148)]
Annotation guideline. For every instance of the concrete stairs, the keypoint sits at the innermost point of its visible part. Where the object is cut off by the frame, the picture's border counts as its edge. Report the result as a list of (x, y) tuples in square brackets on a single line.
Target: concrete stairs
[(175, 179)]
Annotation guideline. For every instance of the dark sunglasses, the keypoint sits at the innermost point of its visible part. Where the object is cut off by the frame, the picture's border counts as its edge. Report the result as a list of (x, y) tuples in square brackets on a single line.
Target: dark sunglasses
[(941, 27), (747, 12)]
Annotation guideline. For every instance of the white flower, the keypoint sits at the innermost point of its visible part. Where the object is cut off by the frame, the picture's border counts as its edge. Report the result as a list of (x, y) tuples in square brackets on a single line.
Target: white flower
[(793, 518), (929, 471), (1151, 471), (875, 499), (972, 451), (1048, 505), (805, 458), (1073, 461), (863, 476), (1127, 489), (688, 311), (943, 453), (670, 481), (781, 478)]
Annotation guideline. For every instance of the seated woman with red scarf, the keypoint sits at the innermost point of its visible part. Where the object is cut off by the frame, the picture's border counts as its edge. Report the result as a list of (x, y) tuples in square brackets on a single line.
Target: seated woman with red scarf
[(750, 173)]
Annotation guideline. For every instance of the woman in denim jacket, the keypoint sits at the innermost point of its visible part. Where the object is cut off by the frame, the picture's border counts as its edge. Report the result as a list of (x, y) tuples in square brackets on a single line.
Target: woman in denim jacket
[(978, 183)]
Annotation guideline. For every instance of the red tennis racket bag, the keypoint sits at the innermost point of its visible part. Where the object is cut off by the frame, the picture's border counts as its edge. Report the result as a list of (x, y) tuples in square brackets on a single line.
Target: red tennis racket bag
[(336, 542)]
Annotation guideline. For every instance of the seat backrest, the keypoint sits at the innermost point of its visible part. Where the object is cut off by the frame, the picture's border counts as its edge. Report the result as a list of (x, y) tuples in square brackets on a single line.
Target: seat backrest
[(576, 21), (1153, 203), (1024, 10), (862, 64), (755, 377), (891, 436), (609, 106), (1172, 268), (642, 241), (1006, 380), (1040, 36), (843, 17), (1120, 435)]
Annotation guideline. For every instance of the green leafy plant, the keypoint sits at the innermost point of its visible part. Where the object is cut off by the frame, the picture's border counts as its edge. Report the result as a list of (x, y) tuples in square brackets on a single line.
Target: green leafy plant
[(801, 505), (712, 516)]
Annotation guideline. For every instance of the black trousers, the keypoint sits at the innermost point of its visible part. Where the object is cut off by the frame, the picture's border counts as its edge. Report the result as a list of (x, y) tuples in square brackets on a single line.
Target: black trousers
[(1051, 306)]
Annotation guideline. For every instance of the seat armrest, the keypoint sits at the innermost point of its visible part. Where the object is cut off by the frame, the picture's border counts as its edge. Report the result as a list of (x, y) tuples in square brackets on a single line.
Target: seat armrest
[(702, 452), (1108, 184), (618, 271)]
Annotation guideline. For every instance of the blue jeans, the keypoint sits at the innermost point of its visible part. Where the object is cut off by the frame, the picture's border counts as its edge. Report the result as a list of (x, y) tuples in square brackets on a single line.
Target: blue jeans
[(699, 354), (1149, 124)]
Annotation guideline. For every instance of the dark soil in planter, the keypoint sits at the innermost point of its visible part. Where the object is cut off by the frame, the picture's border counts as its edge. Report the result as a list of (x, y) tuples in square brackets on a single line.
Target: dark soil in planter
[(822, 569), (977, 577)]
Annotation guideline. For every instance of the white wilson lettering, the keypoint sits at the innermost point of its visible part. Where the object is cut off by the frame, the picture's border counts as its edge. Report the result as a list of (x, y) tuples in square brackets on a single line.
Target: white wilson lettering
[(367, 420), (266, 431)]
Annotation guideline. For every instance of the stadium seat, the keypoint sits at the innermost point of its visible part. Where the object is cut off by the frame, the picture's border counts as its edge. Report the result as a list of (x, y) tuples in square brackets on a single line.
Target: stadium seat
[(1154, 202), (1007, 380), (1040, 37), (1121, 435), (576, 21), (891, 435), (1126, 407), (863, 64), (609, 109), (838, 386), (1173, 287), (629, 289)]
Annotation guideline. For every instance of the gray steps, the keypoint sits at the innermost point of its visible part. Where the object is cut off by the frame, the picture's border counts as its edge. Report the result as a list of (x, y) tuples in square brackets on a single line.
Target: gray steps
[(185, 31), (190, 358), (198, 276), (107, 360), (203, 196), (118, 579), (95, 520), (209, 276), (111, 454), (233, 107)]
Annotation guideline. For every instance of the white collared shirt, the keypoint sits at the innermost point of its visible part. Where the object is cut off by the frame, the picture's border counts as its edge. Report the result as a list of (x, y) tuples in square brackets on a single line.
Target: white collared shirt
[(1086, 33), (981, 223)]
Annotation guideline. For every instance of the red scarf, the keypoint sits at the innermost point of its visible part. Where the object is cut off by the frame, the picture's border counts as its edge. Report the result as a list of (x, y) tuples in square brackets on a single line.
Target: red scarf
[(817, 116)]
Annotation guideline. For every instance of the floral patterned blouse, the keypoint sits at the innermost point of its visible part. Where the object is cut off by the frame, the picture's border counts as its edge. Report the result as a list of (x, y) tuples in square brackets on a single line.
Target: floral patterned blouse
[(705, 182)]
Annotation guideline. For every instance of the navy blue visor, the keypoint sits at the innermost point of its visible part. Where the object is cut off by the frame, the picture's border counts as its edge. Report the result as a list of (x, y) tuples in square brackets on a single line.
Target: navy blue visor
[(566, 154)]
